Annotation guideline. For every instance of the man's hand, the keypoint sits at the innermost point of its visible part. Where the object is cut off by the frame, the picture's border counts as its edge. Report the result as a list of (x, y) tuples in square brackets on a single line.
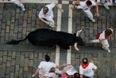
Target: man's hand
[(33, 75), (57, 5), (77, 2), (62, 10), (97, 14), (51, 24)]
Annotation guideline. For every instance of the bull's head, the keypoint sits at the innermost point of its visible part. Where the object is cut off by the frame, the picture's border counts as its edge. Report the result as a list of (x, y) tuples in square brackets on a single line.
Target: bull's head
[(78, 41)]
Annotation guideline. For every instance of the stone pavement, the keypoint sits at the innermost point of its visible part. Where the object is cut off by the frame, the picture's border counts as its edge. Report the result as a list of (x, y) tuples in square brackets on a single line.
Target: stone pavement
[(20, 60)]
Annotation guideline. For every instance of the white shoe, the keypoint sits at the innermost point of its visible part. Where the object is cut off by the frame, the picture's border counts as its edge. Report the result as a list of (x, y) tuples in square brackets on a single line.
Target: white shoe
[(93, 20), (23, 9), (107, 49), (106, 6)]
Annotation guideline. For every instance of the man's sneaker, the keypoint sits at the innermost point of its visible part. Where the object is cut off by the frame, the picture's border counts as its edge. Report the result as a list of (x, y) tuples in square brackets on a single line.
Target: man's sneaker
[(107, 49), (106, 6), (23, 9), (72, 7), (93, 20)]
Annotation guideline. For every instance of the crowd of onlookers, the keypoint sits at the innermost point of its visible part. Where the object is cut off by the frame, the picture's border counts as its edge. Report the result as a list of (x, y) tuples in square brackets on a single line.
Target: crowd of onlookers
[(48, 69)]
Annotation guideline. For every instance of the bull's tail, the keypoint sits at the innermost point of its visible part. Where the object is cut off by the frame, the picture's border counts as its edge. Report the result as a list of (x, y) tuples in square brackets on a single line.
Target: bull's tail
[(15, 42)]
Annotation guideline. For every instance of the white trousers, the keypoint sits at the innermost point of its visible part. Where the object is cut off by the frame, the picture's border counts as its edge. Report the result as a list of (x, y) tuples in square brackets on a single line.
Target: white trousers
[(18, 3), (105, 44), (87, 12)]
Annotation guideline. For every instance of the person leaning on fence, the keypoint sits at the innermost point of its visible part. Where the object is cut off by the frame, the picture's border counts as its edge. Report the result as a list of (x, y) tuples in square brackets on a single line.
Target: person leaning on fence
[(18, 3), (86, 69), (86, 6), (46, 14)]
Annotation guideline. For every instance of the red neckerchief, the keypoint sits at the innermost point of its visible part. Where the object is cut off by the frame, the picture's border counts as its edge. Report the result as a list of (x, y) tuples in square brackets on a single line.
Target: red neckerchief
[(107, 36), (85, 65)]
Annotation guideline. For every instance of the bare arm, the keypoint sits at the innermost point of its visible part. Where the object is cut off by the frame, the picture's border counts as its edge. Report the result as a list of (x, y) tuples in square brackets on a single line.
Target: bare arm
[(75, 3), (101, 42), (36, 72), (97, 9), (46, 22), (81, 76), (78, 2), (60, 66), (59, 8)]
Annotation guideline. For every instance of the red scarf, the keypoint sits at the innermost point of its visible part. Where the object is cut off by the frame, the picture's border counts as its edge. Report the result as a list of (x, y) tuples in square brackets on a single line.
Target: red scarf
[(107, 36), (85, 65)]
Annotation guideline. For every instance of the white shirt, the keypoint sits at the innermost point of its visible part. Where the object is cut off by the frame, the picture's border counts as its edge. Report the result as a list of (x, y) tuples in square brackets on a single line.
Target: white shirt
[(49, 14), (51, 75), (88, 71), (109, 2), (46, 66), (14, 0), (70, 70), (102, 36), (84, 7)]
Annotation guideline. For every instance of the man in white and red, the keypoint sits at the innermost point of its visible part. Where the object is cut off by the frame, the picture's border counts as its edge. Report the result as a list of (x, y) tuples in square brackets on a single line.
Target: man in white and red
[(18, 3), (86, 6), (86, 69), (103, 38), (46, 14)]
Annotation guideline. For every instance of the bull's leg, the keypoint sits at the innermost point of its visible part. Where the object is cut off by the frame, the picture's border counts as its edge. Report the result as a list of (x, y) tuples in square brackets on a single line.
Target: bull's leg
[(78, 32)]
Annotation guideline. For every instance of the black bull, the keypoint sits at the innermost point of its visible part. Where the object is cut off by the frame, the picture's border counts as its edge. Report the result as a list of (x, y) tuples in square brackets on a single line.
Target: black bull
[(47, 37)]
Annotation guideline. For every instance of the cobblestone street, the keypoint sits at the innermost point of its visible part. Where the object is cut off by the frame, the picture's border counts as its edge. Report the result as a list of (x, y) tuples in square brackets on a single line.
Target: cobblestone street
[(19, 61)]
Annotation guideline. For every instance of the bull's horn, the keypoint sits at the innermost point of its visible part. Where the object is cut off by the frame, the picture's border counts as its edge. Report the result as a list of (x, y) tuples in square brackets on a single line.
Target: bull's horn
[(78, 32), (75, 46)]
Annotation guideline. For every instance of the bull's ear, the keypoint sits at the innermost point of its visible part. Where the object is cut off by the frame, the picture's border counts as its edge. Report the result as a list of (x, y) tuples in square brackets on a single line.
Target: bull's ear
[(74, 34)]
